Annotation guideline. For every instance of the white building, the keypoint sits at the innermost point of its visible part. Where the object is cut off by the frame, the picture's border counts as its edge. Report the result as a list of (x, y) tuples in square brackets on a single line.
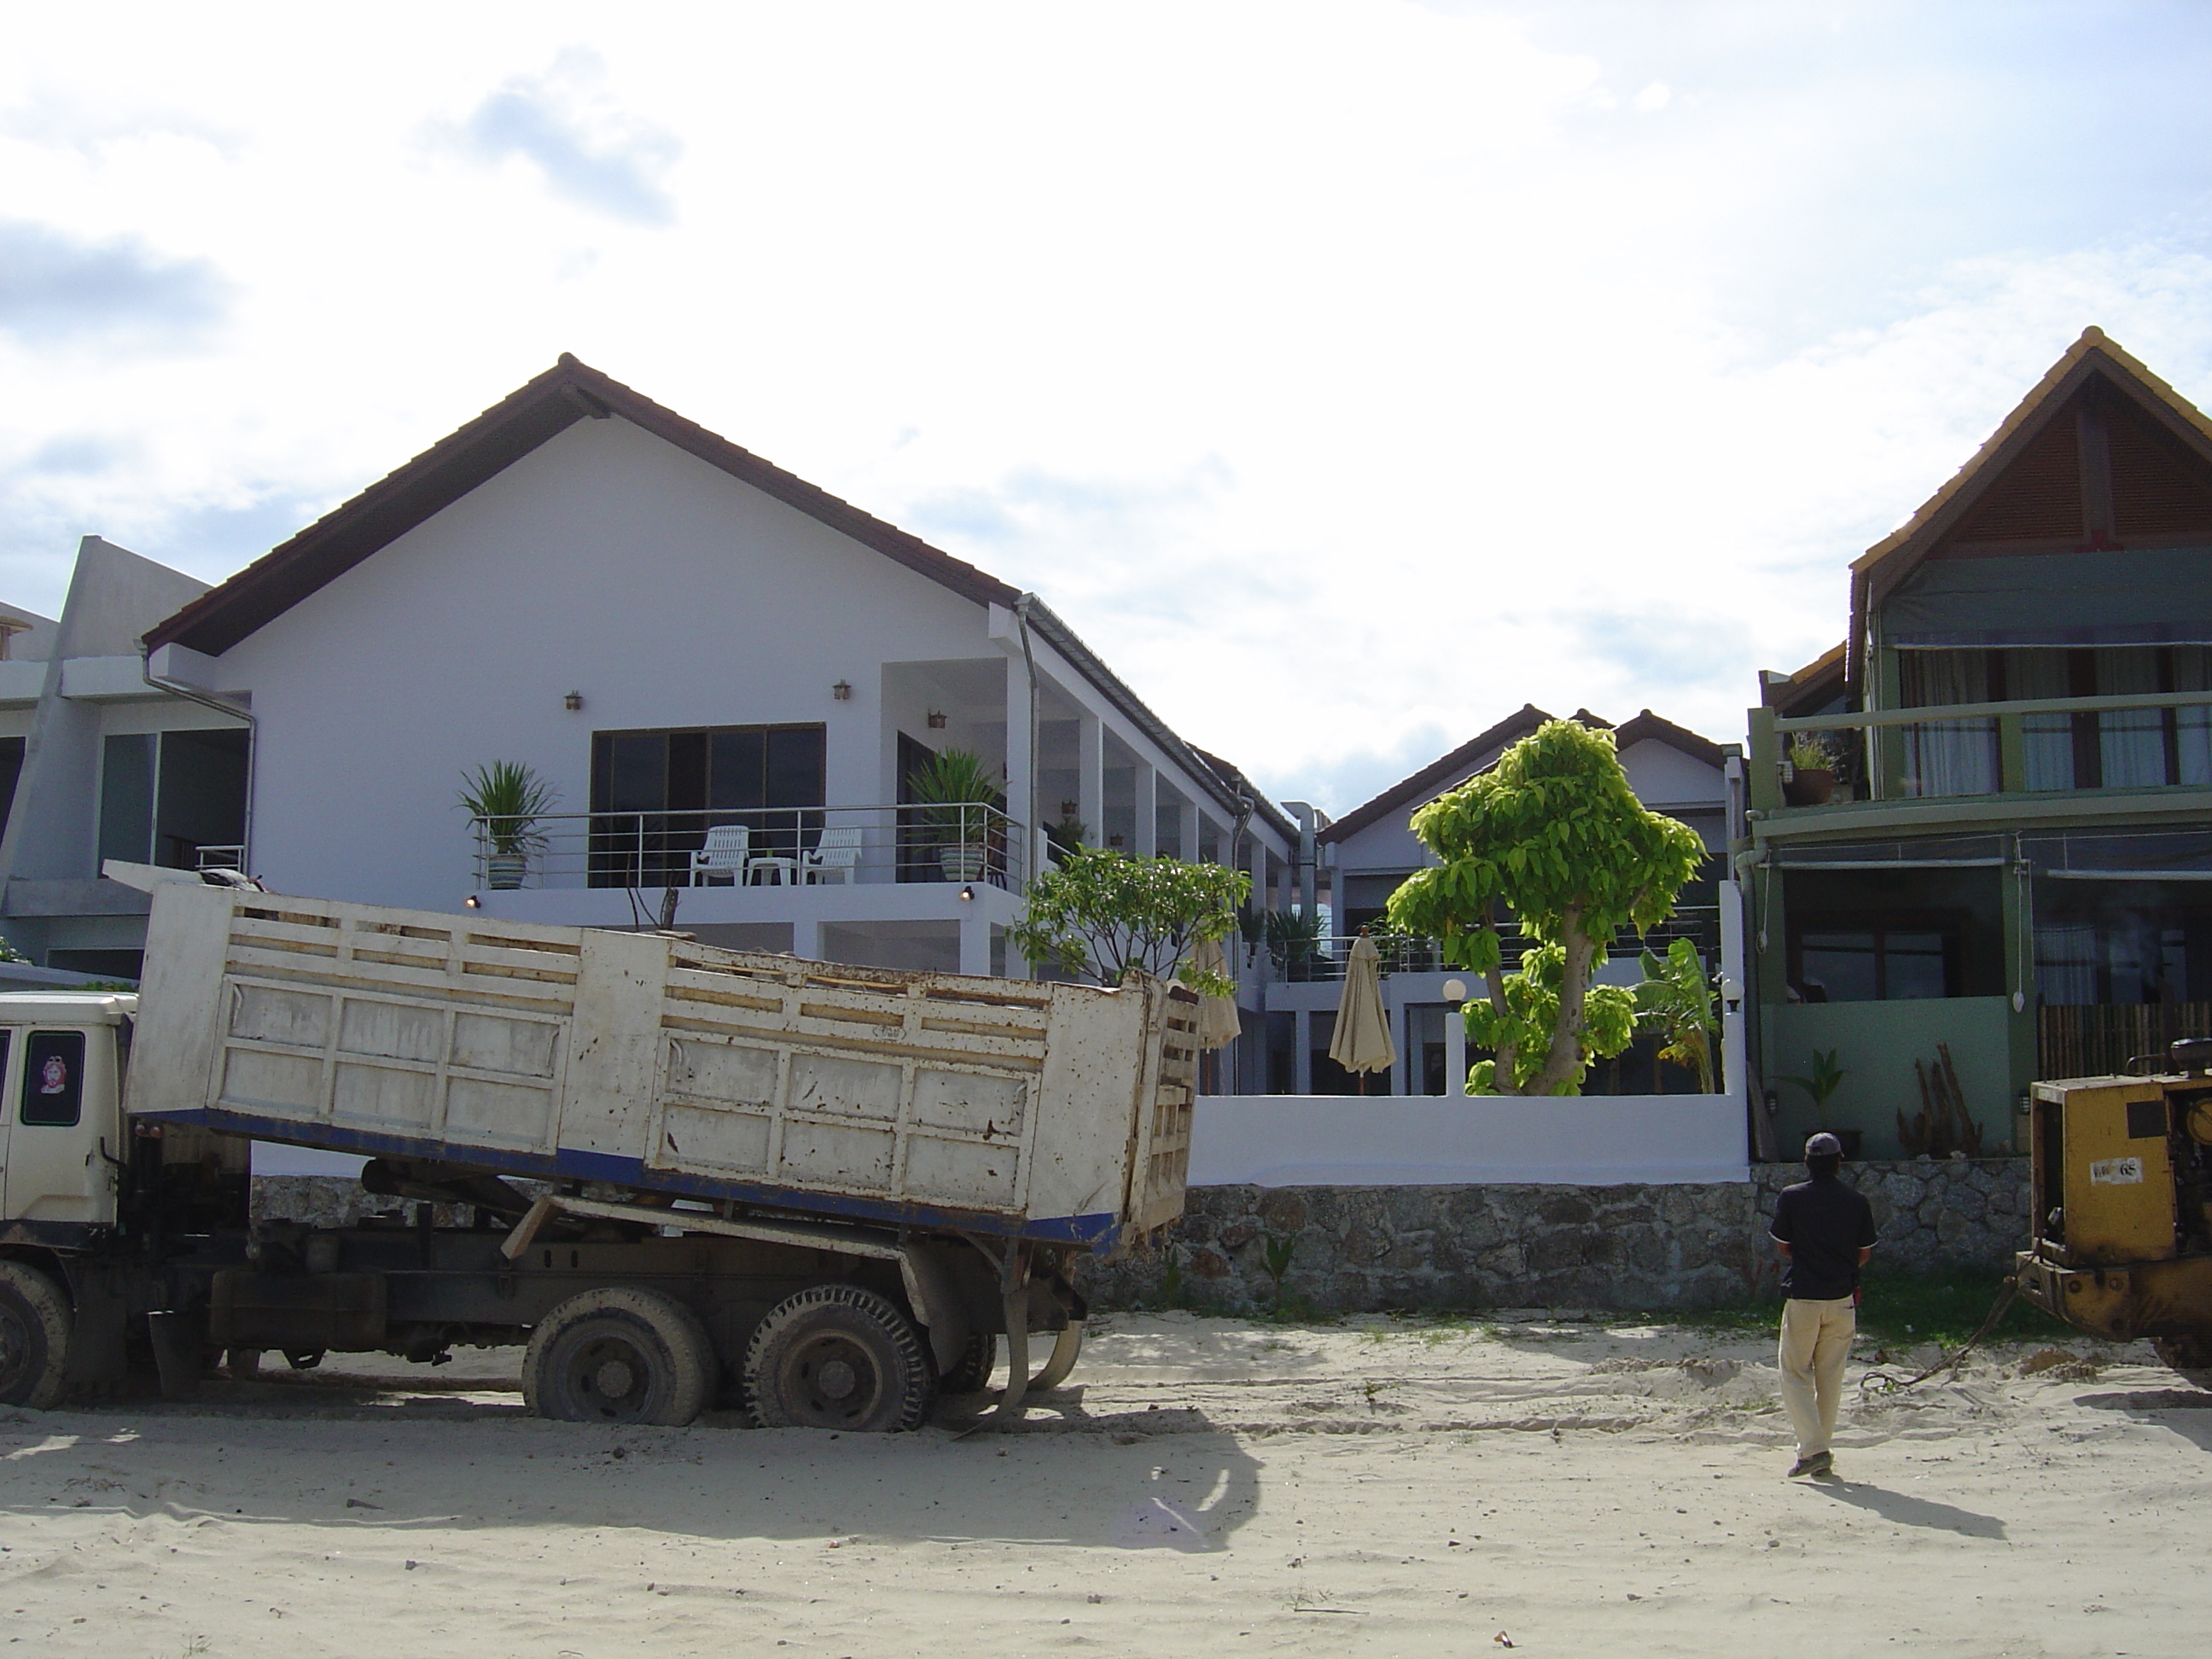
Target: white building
[(678, 638)]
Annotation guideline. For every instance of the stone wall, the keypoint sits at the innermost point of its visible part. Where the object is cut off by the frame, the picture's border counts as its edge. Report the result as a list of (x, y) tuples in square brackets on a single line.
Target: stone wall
[(1366, 1248), (1356, 1249)]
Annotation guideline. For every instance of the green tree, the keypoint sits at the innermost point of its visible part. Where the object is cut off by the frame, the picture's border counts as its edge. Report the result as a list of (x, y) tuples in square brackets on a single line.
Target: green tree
[(1103, 913), (1553, 835)]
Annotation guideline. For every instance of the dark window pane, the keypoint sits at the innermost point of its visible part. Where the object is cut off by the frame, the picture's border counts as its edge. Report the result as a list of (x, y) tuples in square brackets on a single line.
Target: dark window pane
[(126, 798), (687, 771), (738, 769), (202, 795), (11, 769), (53, 1077), (1913, 967), (796, 766), (637, 772), (1841, 965)]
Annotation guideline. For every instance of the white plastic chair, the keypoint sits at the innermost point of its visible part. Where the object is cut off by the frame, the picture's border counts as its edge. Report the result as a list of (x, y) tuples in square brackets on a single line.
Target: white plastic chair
[(836, 853), (724, 854)]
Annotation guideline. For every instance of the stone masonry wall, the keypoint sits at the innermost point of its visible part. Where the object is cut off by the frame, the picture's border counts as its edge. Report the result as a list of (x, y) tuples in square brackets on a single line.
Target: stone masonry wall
[(1357, 1249), (1366, 1248)]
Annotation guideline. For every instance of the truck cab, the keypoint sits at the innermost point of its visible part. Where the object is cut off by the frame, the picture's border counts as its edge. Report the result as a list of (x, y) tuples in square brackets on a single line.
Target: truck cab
[(62, 1059)]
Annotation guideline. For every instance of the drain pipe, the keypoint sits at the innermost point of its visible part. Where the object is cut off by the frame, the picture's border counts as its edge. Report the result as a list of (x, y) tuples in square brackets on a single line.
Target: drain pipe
[(235, 711), (1305, 875), (1033, 829)]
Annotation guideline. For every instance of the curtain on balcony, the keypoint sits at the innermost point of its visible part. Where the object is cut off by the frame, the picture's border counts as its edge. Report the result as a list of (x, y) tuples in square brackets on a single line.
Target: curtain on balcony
[(2130, 742), (1948, 757), (2048, 739), (2192, 672)]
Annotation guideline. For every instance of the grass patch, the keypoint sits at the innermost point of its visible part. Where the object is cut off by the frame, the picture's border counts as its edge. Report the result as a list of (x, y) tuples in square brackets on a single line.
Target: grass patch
[(1946, 1307)]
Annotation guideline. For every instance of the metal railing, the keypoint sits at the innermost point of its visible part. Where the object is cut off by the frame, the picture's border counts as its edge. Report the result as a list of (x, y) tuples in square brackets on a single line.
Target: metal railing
[(779, 847), (219, 857), (2140, 740), (1327, 960)]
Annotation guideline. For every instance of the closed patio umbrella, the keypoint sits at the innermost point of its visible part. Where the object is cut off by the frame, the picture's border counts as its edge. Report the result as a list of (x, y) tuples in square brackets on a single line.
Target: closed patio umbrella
[(1362, 1039), (1218, 1023)]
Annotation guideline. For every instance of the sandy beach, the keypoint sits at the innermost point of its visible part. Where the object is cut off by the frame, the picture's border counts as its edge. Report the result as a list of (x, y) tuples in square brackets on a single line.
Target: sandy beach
[(1203, 1486)]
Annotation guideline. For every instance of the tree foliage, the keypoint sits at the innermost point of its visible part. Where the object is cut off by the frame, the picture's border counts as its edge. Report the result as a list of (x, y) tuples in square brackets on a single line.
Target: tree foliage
[(1553, 835), (1103, 913)]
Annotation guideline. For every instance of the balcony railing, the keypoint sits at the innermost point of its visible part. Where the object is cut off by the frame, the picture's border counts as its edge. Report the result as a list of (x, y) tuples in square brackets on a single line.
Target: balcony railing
[(1699, 924), (2140, 740), (758, 847)]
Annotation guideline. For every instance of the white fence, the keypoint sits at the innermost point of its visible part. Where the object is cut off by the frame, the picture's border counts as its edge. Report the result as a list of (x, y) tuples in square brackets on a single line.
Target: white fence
[(1587, 1140)]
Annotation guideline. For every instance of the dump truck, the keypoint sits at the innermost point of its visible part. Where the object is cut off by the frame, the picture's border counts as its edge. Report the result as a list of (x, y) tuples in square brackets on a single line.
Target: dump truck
[(2122, 1199), (675, 1175)]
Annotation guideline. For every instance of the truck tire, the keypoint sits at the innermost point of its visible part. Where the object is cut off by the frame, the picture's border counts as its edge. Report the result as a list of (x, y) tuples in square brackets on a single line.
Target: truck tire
[(619, 1355), (2190, 1356), (35, 1338), (971, 1372), (838, 1356)]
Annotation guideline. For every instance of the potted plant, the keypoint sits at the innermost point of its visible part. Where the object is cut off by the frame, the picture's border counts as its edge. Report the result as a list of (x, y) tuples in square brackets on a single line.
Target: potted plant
[(1812, 777), (959, 793), (1826, 1078), (505, 799)]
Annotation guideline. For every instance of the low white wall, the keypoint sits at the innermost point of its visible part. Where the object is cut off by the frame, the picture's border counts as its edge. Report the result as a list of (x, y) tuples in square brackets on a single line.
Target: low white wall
[(1588, 1141)]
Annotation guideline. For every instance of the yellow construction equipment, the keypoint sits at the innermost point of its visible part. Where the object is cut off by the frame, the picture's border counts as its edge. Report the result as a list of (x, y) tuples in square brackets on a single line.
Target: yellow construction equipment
[(2122, 1199)]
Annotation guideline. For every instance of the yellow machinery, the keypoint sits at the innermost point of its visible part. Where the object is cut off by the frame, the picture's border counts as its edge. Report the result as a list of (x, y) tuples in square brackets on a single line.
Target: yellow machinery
[(2122, 1207)]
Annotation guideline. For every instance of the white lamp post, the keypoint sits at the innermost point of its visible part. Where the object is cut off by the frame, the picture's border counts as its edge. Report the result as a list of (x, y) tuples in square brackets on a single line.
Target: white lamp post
[(1454, 1037)]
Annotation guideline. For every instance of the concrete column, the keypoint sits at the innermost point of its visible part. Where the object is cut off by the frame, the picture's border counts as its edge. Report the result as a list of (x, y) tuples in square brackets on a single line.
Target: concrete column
[(1021, 775), (1302, 1052), (1091, 777), (807, 940), (1455, 1048), (975, 942), (1145, 841)]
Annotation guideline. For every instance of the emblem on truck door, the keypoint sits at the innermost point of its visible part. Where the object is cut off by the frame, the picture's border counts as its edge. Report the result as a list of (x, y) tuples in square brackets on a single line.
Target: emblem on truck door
[(2117, 1172), (54, 1076)]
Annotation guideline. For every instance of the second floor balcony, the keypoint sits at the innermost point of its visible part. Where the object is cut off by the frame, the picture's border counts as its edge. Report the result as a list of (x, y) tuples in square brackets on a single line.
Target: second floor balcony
[(2096, 754), (776, 847)]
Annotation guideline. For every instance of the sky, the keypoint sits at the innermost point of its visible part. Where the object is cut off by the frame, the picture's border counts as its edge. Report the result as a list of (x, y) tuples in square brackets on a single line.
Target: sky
[(1348, 372)]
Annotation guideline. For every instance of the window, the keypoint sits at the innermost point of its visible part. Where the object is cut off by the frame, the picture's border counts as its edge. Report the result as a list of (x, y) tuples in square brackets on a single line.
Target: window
[(164, 795), (53, 1077), (1909, 961), (654, 794)]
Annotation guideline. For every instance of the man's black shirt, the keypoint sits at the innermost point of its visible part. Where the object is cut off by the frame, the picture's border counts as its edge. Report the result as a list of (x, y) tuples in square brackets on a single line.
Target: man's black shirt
[(1826, 1224)]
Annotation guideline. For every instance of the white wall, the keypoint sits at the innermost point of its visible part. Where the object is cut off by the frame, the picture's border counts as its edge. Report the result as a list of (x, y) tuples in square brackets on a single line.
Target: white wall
[(605, 561), (1337, 1141)]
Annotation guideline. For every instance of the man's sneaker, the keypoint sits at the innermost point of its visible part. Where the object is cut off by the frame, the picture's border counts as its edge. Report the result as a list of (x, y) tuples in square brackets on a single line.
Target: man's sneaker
[(1812, 1463)]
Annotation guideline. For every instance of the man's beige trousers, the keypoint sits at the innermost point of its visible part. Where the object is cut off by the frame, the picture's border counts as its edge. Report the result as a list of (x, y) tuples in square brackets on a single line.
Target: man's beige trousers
[(1816, 1340)]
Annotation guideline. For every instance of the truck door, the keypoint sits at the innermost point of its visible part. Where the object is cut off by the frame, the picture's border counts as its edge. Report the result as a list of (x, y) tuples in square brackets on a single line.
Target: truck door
[(50, 1168)]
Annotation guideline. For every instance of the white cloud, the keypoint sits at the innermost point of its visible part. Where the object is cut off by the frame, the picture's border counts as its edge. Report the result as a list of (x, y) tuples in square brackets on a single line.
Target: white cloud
[(1348, 372)]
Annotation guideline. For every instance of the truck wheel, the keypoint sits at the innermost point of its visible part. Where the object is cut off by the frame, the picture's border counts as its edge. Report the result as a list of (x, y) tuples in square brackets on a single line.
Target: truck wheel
[(971, 1372), (838, 1356), (35, 1338), (619, 1355), (2191, 1356)]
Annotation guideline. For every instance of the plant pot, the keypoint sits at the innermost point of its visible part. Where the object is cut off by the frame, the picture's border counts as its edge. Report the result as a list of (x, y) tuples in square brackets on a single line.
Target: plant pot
[(960, 862), (1810, 788), (503, 872)]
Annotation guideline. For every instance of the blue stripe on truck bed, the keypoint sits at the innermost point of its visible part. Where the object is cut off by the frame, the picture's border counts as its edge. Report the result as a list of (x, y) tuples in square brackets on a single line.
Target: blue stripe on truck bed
[(1095, 1232)]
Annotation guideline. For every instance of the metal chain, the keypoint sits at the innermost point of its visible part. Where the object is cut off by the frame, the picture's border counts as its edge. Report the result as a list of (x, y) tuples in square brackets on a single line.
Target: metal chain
[(1881, 1383)]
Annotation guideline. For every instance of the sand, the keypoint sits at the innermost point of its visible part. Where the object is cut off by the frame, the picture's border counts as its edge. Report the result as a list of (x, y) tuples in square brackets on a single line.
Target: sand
[(1202, 1487)]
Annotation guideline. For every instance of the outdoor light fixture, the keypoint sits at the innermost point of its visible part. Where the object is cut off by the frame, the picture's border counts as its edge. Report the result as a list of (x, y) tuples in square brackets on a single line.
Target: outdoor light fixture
[(1731, 992), (966, 894), (473, 903), (937, 718), (573, 701), (842, 691), (1455, 990)]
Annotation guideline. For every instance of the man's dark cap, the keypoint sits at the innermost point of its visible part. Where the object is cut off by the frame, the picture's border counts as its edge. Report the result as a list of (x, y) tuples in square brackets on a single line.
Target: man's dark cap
[(1824, 1144)]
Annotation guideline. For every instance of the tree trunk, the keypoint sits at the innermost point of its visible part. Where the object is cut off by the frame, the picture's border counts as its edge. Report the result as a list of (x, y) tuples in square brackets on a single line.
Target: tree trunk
[(1563, 1059), (1503, 1071)]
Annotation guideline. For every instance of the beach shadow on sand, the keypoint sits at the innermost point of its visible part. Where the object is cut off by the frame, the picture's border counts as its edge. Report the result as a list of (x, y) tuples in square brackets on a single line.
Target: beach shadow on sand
[(359, 1453), (2187, 1411), (1908, 1512)]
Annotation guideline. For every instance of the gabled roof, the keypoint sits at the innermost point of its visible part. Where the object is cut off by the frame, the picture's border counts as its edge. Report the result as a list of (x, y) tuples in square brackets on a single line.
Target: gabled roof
[(1877, 572), (541, 409), (1477, 753)]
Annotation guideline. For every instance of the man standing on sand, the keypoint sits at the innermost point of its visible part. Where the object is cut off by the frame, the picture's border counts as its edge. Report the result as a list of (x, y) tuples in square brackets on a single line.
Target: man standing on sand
[(1826, 1232)]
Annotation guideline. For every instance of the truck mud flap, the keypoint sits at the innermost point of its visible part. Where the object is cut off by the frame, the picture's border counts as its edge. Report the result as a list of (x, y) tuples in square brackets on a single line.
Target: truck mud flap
[(340, 1312), (176, 1339)]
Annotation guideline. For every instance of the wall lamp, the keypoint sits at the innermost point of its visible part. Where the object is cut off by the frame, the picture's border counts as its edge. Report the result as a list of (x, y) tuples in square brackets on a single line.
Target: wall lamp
[(573, 701), (473, 903), (936, 719), (842, 691), (967, 894)]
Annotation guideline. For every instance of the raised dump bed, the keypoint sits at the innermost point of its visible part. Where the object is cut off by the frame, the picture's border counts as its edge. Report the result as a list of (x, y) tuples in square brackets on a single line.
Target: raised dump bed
[(1055, 1113)]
